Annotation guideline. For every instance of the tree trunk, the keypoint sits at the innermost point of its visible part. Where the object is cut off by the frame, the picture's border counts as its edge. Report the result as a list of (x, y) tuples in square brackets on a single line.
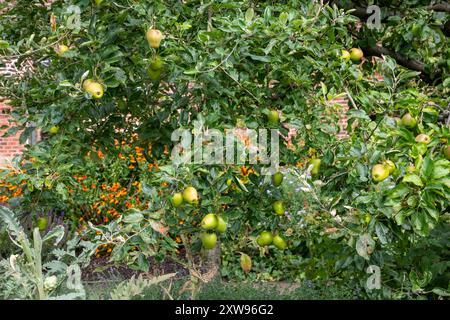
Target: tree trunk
[(212, 263)]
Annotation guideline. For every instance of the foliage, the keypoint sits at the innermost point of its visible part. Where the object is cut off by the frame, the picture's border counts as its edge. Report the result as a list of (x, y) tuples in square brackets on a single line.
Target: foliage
[(227, 64), (35, 272), (135, 287)]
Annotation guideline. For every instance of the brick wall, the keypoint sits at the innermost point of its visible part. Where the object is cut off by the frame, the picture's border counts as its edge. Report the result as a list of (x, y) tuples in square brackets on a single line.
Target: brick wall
[(10, 146)]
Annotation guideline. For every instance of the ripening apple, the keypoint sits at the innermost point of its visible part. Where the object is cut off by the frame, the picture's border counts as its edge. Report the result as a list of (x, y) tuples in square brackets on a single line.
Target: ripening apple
[(379, 172), (62, 48), (190, 195), (94, 88), (265, 238), (390, 165), (154, 37), (209, 221), (356, 54), (409, 121), (345, 55), (423, 138)]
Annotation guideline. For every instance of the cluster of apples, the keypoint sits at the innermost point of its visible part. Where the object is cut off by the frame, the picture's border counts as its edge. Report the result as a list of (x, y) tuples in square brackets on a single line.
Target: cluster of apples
[(154, 37), (266, 238), (355, 55), (383, 170), (410, 122), (189, 195), (211, 223)]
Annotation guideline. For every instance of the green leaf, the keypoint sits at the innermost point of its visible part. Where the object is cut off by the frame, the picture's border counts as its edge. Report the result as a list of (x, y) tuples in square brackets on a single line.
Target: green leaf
[(259, 58), (249, 15), (440, 172), (133, 217), (414, 179), (427, 167), (283, 18), (441, 292), (57, 232), (382, 232)]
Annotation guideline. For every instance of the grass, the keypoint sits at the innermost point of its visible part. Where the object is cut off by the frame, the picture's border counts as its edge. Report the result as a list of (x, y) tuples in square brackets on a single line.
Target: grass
[(221, 290)]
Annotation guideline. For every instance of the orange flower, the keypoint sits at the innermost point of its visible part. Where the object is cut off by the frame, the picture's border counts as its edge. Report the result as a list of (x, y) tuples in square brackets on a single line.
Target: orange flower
[(100, 154), (131, 166), (17, 193), (93, 186), (178, 239), (246, 172)]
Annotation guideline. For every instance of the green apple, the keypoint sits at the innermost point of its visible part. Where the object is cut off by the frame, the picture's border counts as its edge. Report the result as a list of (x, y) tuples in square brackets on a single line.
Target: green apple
[(177, 199), (209, 221), (279, 242), (221, 225), (42, 223), (62, 48), (278, 207), (447, 152), (316, 166), (154, 74), (265, 238), (54, 130), (277, 179), (157, 63), (190, 195), (273, 117), (389, 165), (209, 240), (345, 55)]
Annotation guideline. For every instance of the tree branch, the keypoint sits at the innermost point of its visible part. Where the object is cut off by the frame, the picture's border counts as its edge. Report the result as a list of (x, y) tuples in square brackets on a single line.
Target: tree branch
[(403, 61), (440, 7), (410, 64)]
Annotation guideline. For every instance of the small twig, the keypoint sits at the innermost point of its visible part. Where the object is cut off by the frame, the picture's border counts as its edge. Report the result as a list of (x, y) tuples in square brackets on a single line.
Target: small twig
[(238, 83), (351, 99)]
